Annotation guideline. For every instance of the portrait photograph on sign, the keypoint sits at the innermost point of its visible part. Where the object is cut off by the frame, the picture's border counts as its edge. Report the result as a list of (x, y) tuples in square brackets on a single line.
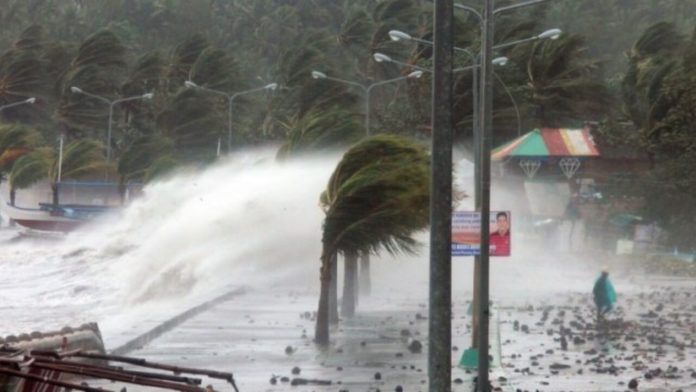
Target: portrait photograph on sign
[(466, 226), (500, 234)]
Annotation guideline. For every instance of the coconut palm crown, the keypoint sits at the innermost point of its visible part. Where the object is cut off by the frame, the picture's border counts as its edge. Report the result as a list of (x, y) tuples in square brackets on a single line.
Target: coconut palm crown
[(377, 197)]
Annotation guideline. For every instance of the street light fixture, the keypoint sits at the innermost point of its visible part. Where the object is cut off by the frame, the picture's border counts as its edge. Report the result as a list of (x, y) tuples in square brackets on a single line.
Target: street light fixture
[(111, 103), (31, 100), (230, 100), (383, 58), (483, 175), (367, 89)]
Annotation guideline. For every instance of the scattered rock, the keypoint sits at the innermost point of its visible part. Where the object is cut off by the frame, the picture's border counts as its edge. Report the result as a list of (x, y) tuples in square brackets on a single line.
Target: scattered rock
[(415, 347), (559, 366), (633, 384), (295, 371)]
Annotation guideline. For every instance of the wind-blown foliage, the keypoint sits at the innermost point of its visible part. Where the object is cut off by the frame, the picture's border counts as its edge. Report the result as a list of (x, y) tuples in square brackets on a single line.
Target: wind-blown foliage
[(15, 141), (564, 83), (322, 130), (137, 162), (377, 197)]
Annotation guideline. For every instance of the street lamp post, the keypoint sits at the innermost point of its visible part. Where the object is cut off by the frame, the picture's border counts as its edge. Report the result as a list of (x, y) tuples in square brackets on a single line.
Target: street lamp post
[(367, 89), (111, 104), (483, 174), (31, 100), (365, 285), (397, 35), (440, 287), (230, 100)]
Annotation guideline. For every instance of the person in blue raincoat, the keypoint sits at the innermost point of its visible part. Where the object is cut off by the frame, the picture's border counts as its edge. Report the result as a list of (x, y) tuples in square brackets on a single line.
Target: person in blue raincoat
[(604, 295)]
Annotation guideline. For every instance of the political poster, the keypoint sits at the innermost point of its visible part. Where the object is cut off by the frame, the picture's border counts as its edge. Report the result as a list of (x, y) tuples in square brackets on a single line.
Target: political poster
[(466, 226)]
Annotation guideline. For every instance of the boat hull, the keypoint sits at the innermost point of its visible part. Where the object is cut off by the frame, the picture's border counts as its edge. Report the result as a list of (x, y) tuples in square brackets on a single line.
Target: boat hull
[(41, 219)]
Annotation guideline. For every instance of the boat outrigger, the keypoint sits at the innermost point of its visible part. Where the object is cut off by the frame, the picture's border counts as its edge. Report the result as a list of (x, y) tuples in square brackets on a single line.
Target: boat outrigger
[(70, 359)]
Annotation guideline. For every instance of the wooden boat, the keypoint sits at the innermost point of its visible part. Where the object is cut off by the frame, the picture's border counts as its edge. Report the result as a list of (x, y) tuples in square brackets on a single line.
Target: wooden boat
[(80, 202)]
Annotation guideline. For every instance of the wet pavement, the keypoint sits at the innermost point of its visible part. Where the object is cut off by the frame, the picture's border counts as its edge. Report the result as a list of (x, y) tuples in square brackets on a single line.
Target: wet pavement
[(549, 340), (266, 341)]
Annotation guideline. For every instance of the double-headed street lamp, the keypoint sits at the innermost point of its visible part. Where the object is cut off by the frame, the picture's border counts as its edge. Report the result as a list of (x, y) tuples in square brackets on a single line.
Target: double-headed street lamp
[(111, 104), (483, 170), (383, 58), (367, 89), (230, 99), (13, 104), (440, 326), (397, 35)]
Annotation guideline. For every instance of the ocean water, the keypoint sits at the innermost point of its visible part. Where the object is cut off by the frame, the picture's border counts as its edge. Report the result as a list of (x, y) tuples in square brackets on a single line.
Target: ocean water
[(246, 221)]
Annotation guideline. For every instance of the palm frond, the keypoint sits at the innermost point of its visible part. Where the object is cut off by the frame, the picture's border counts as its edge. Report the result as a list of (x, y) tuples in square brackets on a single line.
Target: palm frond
[(377, 197), (31, 168)]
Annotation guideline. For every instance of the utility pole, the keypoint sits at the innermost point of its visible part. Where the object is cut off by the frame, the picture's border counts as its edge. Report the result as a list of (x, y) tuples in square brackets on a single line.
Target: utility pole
[(485, 164), (440, 320)]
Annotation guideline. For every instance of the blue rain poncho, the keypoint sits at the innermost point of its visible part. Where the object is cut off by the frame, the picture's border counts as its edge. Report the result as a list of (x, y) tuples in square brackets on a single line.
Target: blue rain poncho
[(604, 294)]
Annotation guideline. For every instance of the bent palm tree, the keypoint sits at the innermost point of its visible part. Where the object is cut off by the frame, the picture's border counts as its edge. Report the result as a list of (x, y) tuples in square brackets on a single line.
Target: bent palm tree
[(377, 197), (80, 158)]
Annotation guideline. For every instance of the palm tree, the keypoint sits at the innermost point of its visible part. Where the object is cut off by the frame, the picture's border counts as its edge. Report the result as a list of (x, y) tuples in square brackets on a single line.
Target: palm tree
[(194, 122), (16, 140), (145, 158), (320, 130), (22, 76), (98, 68), (654, 56), (377, 197), (564, 82), (80, 158)]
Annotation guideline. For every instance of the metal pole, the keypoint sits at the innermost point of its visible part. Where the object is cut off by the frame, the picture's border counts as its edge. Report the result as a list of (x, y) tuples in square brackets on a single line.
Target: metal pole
[(60, 157), (485, 159), (440, 322), (477, 202), (367, 110), (108, 133), (365, 285), (229, 122)]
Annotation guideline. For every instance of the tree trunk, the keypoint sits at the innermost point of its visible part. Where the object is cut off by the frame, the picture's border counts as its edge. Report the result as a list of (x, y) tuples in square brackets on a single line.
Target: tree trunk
[(13, 195), (349, 285), (333, 293), (122, 192), (54, 191), (321, 332), (365, 284)]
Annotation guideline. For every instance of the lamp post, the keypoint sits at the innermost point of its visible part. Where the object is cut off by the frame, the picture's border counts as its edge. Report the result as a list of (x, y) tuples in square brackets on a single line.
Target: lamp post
[(397, 35), (365, 285), (483, 174), (367, 89), (31, 100), (230, 99), (111, 104), (440, 281)]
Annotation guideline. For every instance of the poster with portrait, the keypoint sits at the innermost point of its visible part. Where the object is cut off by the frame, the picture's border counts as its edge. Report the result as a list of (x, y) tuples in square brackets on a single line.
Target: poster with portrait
[(466, 226)]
